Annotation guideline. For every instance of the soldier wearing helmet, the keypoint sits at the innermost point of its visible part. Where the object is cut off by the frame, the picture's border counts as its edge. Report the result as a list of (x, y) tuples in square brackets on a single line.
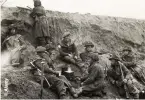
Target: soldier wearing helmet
[(115, 77), (129, 61), (68, 50)]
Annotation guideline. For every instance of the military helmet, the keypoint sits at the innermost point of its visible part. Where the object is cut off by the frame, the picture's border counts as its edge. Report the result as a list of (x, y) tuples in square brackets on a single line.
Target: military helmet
[(127, 49), (37, 3), (40, 49), (66, 34), (88, 43), (114, 57)]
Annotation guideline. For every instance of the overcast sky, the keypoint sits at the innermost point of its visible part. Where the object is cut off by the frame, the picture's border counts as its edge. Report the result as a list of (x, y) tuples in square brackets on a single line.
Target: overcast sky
[(119, 8)]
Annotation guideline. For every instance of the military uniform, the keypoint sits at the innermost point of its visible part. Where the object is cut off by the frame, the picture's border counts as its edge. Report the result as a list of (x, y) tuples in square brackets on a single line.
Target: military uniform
[(86, 57), (114, 74), (94, 82), (95, 79), (59, 83), (15, 44), (130, 62), (41, 25), (66, 49)]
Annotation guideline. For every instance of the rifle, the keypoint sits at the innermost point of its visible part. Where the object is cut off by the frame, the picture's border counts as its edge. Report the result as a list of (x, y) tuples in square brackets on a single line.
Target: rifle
[(122, 77), (138, 76), (42, 78), (23, 8), (32, 63)]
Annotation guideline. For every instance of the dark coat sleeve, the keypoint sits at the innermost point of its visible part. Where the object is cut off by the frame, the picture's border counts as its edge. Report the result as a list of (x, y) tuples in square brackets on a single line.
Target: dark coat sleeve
[(47, 58), (125, 70), (62, 53), (91, 78), (75, 50), (96, 73), (81, 56), (110, 75), (130, 63), (46, 67)]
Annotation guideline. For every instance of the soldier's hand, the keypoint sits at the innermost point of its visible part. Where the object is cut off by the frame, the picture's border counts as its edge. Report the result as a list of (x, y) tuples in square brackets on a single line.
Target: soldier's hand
[(129, 82), (113, 81), (70, 55), (75, 57), (125, 81), (78, 79), (82, 84), (129, 77)]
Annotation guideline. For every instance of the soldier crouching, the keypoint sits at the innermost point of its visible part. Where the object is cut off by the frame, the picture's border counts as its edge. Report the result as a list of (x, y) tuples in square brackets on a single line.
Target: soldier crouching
[(59, 83), (120, 76), (94, 81)]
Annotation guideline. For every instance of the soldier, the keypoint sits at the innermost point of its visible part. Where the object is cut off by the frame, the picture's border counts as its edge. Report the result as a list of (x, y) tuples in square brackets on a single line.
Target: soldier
[(15, 44), (129, 61), (94, 82), (59, 83), (68, 50), (115, 76), (41, 27), (87, 55)]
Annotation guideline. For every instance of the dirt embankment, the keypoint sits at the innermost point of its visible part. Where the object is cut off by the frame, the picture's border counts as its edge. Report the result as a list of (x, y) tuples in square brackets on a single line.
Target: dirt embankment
[(109, 34)]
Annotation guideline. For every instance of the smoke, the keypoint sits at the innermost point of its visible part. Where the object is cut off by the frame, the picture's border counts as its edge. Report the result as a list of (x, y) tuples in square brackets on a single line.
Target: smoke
[(5, 58)]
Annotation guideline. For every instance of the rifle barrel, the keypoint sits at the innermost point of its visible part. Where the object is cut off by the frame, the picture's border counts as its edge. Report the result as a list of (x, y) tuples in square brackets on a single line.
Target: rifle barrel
[(122, 77)]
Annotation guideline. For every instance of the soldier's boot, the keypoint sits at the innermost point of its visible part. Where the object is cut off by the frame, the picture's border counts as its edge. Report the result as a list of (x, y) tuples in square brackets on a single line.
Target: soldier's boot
[(64, 97), (136, 96), (104, 92), (61, 89), (99, 94)]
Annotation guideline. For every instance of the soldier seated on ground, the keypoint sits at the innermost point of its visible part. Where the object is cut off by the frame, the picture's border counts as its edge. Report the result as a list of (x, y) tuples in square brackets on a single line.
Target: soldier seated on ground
[(93, 83), (86, 56), (15, 44), (129, 61), (68, 50), (115, 76), (59, 83)]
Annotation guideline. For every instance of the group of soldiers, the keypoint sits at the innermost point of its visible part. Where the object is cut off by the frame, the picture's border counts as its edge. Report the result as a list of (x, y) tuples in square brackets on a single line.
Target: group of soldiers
[(122, 72), (92, 79)]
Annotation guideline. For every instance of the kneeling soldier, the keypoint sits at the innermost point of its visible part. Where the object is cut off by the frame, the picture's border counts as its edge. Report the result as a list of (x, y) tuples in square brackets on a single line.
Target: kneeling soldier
[(94, 82)]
